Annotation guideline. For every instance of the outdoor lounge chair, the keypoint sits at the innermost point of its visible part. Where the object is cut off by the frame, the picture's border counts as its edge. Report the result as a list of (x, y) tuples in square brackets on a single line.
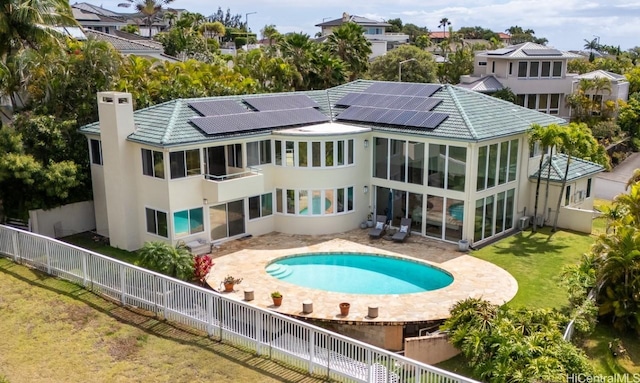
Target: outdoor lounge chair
[(404, 231), (380, 228)]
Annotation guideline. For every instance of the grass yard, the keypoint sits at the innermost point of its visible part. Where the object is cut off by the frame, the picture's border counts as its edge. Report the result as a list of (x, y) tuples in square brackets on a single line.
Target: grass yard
[(58, 332), (603, 360), (86, 241), (536, 261)]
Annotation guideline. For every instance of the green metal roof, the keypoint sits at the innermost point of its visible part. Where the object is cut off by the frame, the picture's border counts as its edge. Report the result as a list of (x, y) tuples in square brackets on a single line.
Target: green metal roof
[(472, 117), (578, 168)]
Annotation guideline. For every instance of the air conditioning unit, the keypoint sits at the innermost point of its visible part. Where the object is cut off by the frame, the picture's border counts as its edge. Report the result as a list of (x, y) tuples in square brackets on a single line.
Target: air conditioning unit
[(524, 223)]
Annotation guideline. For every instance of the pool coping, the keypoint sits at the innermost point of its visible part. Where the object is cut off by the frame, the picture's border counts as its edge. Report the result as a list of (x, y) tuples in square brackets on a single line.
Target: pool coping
[(472, 278)]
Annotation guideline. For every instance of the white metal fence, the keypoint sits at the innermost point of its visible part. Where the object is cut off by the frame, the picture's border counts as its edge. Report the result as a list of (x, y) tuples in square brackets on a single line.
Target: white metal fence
[(268, 334)]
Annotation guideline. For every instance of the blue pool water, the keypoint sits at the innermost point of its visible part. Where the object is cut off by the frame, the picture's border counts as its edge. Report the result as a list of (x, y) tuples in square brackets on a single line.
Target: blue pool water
[(359, 273), (457, 211), (316, 206)]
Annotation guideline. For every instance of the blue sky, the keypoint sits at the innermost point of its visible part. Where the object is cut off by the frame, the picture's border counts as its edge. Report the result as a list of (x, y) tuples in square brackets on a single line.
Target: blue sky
[(565, 23)]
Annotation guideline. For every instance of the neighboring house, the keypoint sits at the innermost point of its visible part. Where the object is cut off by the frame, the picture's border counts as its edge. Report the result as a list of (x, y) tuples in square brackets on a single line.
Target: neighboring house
[(96, 21), (374, 31), (137, 47), (455, 161), (100, 19), (537, 74), (618, 83)]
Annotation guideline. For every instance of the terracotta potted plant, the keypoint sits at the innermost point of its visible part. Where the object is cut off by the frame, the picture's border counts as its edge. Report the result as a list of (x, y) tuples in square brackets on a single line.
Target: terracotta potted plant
[(277, 298), (230, 281), (344, 308)]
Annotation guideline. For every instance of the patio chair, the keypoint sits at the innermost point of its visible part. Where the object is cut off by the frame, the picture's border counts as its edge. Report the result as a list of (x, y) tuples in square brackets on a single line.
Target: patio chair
[(404, 232), (380, 228)]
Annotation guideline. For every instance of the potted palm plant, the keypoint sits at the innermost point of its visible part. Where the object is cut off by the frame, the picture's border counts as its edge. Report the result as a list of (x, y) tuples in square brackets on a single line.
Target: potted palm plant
[(277, 298), (229, 281)]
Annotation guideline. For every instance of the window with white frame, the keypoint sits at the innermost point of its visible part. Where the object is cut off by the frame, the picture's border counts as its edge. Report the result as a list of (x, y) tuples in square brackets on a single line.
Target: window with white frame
[(497, 164), (157, 222), (261, 206), (539, 69), (184, 163), (234, 155), (259, 153), (152, 163), (314, 202), (96, 151), (303, 154), (545, 103), (186, 222)]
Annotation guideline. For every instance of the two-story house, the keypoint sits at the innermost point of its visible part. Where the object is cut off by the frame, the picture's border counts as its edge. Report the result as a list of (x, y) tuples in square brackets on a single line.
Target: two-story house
[(537, 74), (374, 31), (454, 161)]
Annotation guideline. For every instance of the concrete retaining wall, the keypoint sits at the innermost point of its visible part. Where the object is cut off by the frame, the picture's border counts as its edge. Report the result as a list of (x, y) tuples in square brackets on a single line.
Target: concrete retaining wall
[(430, 349), (64, 220)]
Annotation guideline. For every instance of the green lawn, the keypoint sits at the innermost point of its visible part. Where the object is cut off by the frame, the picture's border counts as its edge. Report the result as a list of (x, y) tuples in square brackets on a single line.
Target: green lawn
[(86, 241), (58, 332), (597, 348), (536, 261)]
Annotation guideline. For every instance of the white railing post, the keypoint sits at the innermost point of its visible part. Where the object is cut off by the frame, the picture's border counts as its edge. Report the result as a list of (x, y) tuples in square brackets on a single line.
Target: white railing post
[(210, 314), (46, 253), (14, 239), (164, 298), (312, 349), (370, 373), (122, 284), (84, 270), (258, 330)]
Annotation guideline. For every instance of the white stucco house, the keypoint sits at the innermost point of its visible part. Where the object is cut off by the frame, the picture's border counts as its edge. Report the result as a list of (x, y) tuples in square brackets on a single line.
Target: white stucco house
[(375, 31), (456, 162), (537, 74)]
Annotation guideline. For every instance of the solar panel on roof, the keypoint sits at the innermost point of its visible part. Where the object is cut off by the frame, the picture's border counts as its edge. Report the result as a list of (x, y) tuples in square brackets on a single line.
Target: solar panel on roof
[(501, 51), (218, 108), (258, 120), (389, 101), (403, 89), (542, 52), (434, 120), (406, 118), (281, 102)]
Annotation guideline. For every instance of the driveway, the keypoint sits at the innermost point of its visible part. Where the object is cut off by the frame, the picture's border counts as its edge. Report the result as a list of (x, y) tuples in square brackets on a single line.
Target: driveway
[(612, 183)]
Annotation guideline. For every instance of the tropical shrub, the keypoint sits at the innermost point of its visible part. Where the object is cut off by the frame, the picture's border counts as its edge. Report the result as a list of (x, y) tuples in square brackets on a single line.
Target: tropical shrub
[(176, 262), (514, 345), (203, 264)]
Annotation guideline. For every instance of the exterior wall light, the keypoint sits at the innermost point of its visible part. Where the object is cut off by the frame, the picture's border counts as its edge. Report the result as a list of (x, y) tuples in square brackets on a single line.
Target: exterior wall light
[(366, 144), (366, 189)]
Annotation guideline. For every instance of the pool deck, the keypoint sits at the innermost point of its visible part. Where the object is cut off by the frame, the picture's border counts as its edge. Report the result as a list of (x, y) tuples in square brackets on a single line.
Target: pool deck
[(248, 258)]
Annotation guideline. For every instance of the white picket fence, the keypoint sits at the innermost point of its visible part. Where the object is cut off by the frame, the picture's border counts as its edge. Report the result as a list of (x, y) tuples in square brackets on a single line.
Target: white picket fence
[(268, 334)]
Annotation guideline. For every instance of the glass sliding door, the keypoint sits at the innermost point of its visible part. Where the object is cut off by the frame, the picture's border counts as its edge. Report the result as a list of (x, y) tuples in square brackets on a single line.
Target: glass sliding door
[(227, 220)]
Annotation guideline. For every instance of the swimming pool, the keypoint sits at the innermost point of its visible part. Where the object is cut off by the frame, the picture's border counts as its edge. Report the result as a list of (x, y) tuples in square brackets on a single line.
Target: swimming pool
[(359, 273)]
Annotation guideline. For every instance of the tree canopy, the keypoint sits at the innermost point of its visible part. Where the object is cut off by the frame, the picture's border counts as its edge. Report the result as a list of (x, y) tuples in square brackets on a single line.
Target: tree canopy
[(422, 68)]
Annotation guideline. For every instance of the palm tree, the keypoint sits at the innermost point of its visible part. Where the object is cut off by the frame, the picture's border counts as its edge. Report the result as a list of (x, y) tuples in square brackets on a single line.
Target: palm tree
[(618, 276), (326, 70), (444, 23), (270, 33), (600, 84), (348, 43), (296, 47), (591, 46), (149, 9), (547, 136), (575, 139), (27, 23)]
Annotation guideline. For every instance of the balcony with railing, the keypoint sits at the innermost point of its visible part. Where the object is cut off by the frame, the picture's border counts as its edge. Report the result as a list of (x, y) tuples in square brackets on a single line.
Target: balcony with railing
[(399, 37), (233, 186)]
